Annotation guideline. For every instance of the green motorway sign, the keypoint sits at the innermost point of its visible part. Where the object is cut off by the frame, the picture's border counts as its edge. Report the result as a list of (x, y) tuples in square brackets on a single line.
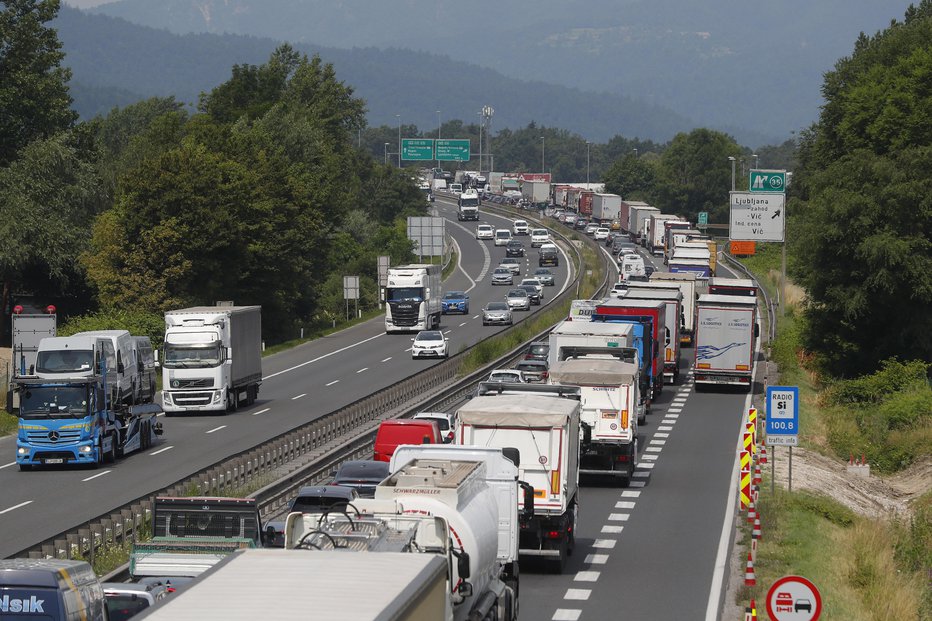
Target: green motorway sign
[(703, 218), (767, 181), (453, 150), (417, 149)]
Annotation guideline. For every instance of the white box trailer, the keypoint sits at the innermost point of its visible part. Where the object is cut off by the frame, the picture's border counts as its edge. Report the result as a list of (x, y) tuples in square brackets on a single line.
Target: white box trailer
[(609, 397), (686, 283), (726, 338), (654, 242), (542, 423), (320, 584), (606, 207), (536, 191), (670, 339), (637, 215)]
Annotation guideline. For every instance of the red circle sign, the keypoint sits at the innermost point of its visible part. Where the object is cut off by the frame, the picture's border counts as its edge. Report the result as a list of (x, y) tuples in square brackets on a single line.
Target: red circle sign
[(794, 598)]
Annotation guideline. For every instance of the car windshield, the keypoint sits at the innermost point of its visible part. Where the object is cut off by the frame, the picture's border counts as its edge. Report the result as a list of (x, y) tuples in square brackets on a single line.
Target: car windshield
[(485, 228), (398, 294), (496, 306), (530, 281), (520, 223), (433, 335), (509, 261), (529, 365), (500, 376), (442, 421), (454, 295), (502, 271), (503, 234), (539, 349), (539, 232), (517, 293), (185, 356), (53, 402), (365, 470), (543, 272), (65, 360)]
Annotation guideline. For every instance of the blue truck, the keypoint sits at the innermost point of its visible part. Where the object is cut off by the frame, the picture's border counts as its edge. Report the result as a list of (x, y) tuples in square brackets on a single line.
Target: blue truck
[(71, 421)]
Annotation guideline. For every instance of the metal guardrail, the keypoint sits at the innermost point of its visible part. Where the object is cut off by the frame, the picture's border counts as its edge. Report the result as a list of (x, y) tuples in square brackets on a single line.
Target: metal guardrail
[(322, 444)]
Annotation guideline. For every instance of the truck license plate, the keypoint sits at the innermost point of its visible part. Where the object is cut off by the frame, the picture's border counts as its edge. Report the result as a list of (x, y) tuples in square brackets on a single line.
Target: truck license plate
[(54, 460)]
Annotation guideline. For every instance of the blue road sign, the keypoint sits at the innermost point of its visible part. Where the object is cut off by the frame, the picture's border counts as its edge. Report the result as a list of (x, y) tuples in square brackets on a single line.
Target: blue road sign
[(782, 415)]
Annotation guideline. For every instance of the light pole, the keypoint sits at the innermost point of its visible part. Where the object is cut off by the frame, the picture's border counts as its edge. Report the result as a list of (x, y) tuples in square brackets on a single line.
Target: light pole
[(386, 154), (754, 155), (635, 152), (732, 160), (587, 163), (398, 116), (438, 138), (480, 141), (542, 169)]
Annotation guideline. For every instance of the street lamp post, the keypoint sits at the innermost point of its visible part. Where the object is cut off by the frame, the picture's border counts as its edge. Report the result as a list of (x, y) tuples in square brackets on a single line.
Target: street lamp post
[(635, 152), (480, 141), (754, 155), (386, 154), (438, 138), (542, 169), (398, 116), (587, 163), (732, 160)]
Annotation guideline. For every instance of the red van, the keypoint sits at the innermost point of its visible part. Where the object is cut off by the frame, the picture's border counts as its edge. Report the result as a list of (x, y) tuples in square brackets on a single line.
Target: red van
[(393, 433)]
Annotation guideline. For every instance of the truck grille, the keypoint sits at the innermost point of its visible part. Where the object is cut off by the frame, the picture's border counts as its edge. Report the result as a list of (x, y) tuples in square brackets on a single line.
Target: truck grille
[(192, 398), (42, 438), (405, 314), (195, 382)]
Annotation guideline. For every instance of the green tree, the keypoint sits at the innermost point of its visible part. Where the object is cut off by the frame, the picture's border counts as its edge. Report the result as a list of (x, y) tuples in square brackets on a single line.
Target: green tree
[(34, 100), (862, 219), (632, 178)]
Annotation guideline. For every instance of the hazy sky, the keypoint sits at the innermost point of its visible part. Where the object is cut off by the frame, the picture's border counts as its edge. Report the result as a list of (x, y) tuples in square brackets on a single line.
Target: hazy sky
[(86, 4)]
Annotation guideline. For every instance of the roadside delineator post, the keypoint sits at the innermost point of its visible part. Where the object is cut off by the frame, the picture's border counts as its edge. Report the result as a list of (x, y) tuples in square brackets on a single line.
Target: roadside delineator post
[(757, 475), (752, 510), (763, 454), (744, 482), (749, 579)]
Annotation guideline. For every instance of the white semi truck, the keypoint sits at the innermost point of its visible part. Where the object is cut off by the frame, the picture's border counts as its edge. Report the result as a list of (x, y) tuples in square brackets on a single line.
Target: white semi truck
[(654, 240), (637, 216), (726, 338), (458, 503), (606, 207), (686, 284), (542, 423), (609, 398), (412, 298), (535, 192), (468, 205), (211, 359)]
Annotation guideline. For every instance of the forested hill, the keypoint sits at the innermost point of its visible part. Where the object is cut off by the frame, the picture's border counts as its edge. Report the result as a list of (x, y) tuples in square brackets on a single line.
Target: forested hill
[(115, 62)]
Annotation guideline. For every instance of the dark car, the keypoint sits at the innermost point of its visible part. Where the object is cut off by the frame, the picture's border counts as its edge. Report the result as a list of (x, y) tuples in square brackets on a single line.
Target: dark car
[(548, 256), (454, 302), (537, 351), (619, 242), (532, 293), (310, 499), (535, 371), (581, 224), (362, 475), (514, 248), (545, 276)]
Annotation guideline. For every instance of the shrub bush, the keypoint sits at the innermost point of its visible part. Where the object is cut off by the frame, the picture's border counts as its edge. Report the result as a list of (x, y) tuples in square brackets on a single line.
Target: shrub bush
[(139, 323)]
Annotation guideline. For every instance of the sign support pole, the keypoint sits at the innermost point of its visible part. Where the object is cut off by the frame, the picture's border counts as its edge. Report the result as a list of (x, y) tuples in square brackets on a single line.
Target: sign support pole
[(789, 480)]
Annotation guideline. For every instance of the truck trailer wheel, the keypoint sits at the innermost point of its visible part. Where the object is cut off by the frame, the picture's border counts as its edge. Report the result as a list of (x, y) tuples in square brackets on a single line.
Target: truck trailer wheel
[(558, 564)]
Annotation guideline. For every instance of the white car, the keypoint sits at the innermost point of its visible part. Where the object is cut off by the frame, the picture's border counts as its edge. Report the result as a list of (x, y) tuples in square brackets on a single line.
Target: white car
[(446, 422), (520, 227), (430, 344), (485, 231), (539, 237), (502, 237), (507, 376), (618, 290), (601, 234), (569, 218), (534, 283)]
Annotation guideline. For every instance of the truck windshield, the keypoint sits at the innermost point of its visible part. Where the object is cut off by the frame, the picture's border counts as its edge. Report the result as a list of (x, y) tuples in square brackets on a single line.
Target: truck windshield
[(399, 294), (54, 402), (64, 361), (186, 355), (472, 201)]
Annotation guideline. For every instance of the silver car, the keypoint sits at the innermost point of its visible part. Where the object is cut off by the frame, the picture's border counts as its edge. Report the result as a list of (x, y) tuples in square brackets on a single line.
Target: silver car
[(503, 276), (511, 263), (518, 299), (544, 276), (497, 313)]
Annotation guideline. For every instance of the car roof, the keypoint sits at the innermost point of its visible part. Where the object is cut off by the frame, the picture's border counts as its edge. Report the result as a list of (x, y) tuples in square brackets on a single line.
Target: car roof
[(497, 304), (355, 468), (427, 333), (532, 280), (329, 491), (517, 292), (458, 294)]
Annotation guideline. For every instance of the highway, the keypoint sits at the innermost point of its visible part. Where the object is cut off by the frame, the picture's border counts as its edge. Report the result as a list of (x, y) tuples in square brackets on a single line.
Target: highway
[(299, 385), (653, 550)]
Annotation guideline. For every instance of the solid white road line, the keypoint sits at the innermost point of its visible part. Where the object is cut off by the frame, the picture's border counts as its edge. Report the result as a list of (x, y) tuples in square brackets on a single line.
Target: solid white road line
[(363, 369), (459, 265), (262, 411), (336, 351), (14, 507), (331, 383), (303, 394), (162, 450), (216, 429), (486, 261), (13, 463), (99, 474)]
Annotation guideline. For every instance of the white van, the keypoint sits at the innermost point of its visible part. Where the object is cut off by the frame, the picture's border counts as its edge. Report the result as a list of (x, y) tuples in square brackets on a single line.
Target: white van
[(60, 357), (502, 237), (127, 368), (632, 265)]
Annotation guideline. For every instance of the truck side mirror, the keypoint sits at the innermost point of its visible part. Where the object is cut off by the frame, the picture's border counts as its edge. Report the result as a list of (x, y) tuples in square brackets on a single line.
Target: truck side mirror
[(462, 564), (528, 489), (756, 330)]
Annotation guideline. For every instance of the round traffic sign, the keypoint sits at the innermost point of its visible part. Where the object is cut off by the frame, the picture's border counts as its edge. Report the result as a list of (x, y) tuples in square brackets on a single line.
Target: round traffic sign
[(793, 598)]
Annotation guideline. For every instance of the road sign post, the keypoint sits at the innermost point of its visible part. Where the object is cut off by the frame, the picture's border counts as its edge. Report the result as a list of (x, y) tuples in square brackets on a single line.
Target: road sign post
[(417, 149), (453, 150)]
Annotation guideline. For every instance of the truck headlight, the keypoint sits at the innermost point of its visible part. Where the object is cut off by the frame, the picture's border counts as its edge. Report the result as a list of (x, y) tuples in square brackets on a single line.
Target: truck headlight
[(166, 398), (218, 395), (22, 450), (86, 449)]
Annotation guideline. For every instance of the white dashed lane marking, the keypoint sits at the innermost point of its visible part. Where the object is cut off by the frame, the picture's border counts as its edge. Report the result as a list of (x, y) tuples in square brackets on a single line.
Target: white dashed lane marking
[(331, 383), (162, 450), (303, 394), (587, 576), (262, 411), (624, 504), (363, 369), (580, 594), (216, 429), (99, 474), (387, 359), (14, 507), (563, 614), (609, 529), (630, 494), (596, 559)]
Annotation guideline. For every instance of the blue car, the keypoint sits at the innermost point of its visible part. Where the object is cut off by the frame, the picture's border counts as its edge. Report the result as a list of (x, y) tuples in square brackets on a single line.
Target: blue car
[(455, 302)]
